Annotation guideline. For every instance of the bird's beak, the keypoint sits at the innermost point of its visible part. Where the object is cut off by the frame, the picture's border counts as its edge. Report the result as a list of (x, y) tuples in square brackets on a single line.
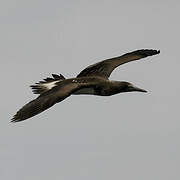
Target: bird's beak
[(134, 88)]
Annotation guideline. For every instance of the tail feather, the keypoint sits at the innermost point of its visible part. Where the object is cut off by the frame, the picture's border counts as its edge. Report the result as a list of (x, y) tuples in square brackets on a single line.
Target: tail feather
[(47, 84)]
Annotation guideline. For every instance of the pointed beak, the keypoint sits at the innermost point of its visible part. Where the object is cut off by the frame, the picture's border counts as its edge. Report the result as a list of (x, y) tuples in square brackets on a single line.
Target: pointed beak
[(134, 88)]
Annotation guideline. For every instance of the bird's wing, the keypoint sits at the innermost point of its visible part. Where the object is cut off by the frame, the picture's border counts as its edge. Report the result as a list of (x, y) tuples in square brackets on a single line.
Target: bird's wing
[(47, 99), (104, 68)]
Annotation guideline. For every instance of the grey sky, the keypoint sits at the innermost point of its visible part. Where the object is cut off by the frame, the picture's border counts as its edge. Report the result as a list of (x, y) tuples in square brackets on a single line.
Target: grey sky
[(127, 136)]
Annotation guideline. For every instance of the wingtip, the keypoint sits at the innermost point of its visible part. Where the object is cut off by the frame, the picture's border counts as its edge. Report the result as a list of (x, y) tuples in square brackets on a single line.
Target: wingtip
[(13, 120), (152, 51), (158, 51), (155, 52), (147, 52)]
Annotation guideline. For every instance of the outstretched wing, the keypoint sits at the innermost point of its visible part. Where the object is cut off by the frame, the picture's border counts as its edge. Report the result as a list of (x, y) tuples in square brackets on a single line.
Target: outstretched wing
[(47, 99), (104, 68)]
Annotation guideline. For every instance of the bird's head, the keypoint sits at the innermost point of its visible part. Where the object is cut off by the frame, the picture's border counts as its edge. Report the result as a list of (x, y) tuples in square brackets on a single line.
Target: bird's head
[(122, 86), (128, 87)]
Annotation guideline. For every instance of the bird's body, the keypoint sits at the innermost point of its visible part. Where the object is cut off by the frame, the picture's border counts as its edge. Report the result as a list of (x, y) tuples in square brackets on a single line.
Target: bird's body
[(103, 87), (92, 81)]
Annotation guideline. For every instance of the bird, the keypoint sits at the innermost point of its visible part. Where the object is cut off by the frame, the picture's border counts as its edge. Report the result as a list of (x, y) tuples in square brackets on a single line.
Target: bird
[(93, 80)]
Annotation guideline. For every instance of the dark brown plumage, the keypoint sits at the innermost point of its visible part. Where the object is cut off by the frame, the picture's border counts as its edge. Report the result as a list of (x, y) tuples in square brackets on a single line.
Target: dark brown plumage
[(104, 68), (92, 80)]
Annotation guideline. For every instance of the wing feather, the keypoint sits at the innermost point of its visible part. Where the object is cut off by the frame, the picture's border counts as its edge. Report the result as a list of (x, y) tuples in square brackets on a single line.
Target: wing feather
[(50, 97), (104, 68), (45, 101)]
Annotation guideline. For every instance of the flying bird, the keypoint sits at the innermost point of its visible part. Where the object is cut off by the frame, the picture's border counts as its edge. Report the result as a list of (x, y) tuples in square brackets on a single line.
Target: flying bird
[(92, 80)]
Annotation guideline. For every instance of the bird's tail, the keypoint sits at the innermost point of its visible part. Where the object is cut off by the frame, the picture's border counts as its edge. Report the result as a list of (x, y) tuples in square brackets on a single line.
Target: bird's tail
[(33, 108), (47, 84)]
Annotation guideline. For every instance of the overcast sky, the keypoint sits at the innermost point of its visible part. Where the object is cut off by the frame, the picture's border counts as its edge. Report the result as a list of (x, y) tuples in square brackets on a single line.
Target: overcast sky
[(126, 136)]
